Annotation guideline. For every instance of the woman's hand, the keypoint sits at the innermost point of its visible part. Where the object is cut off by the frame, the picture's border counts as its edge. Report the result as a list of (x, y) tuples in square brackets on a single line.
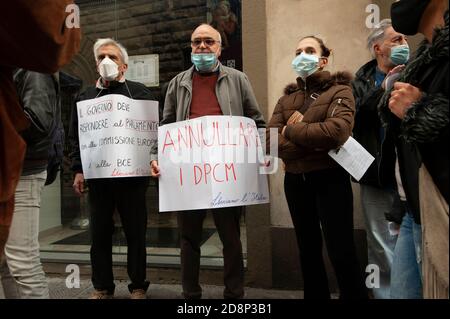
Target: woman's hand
[(296, 117)]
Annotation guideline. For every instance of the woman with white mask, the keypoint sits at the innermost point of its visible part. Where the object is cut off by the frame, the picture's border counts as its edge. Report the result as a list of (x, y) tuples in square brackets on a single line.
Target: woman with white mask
[(313, 117)]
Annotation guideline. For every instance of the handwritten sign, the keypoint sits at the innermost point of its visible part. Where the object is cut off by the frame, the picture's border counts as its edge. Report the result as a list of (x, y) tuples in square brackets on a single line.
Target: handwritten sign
[(353, 157), (116, 135), (210, 162)]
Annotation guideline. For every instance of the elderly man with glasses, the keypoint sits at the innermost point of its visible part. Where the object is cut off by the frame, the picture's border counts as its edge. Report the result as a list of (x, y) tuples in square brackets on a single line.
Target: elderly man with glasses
[(209, 88)]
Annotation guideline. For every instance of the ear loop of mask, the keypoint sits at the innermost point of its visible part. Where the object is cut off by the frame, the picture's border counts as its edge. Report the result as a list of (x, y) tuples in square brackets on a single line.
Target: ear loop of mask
[(99, 93), (101, 90)]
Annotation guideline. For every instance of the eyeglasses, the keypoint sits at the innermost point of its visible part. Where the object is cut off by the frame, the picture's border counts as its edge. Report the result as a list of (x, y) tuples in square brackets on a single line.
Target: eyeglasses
[(208, 42)]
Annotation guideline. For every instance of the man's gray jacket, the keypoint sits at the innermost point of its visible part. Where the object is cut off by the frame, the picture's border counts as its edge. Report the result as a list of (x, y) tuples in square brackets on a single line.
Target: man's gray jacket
[(233, 91)]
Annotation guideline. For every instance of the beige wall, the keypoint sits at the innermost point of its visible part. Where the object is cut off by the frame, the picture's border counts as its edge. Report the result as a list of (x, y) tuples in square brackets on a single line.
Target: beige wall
[(257, 217), (342, 26)]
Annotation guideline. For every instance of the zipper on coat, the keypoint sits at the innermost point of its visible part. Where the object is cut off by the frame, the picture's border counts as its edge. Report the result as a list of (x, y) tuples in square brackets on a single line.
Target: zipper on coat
[(188, 114), (381, 158), (339, 102), (216, 90)]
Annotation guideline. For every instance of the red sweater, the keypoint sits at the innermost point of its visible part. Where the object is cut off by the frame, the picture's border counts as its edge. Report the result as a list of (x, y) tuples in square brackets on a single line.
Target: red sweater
[(204, 99)]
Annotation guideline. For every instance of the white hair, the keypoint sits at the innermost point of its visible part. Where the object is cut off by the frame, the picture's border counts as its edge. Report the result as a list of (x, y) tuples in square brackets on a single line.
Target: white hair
[(377, 34), (108, 41)]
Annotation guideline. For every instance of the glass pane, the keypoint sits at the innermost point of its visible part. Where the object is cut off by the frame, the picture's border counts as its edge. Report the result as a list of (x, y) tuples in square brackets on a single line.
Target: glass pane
[(157, 37)]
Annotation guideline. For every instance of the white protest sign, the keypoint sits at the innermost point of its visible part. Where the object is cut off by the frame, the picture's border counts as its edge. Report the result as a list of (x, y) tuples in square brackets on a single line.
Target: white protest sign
[(210, 162), (116, 134)]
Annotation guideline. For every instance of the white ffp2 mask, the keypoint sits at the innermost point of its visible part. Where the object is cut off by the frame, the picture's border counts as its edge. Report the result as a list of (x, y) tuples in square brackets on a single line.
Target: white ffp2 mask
[(108, 69)]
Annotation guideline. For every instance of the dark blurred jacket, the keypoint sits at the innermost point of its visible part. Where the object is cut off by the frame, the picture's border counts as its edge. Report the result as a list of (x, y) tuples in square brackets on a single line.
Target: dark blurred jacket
[(425, 128), (368, 130), (38, 94)]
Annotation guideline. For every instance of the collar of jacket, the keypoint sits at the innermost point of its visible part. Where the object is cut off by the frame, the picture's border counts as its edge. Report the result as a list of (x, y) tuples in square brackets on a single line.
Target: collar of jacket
[(320, 82), (187, 80), (99, 83), (315, 82), (439, 47), (367, 71)]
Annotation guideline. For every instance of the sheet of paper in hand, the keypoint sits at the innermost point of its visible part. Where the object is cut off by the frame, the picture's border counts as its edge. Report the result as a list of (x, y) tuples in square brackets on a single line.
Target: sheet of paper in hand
[(390, 80), (210, 162), (353, 157), (116, 134)]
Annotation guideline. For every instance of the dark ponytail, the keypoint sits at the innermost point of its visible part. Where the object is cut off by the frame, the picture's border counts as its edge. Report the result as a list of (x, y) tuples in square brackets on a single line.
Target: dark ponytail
[(325, 51)]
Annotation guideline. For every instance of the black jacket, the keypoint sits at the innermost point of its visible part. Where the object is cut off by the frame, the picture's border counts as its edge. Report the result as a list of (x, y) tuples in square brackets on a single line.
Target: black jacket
[(425, 127), (38, 95), (138, 92), (368, 130)]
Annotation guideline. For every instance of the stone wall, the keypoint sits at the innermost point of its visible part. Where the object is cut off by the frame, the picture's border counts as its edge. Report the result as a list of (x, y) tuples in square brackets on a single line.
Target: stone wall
[(160, 27)]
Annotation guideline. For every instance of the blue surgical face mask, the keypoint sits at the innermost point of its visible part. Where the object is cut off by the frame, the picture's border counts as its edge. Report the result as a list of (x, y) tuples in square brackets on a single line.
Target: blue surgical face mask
[(400, 54), (204, 62), (305, 64)]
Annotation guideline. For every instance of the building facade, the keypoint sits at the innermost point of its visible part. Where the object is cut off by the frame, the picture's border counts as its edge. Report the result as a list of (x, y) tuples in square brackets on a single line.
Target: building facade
[(261, 41)]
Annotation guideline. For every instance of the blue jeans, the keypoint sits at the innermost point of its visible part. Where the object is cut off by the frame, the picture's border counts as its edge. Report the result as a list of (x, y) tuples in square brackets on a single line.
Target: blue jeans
[(406, 274), (380, 242)]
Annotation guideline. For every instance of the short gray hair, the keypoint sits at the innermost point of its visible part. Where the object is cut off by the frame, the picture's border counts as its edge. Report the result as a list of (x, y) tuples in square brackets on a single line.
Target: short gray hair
[(377, 34), (108, 41)]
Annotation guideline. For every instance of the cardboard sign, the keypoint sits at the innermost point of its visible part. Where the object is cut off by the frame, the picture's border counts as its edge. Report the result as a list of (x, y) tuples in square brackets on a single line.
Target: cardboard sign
[(210, 162), (116, 134)]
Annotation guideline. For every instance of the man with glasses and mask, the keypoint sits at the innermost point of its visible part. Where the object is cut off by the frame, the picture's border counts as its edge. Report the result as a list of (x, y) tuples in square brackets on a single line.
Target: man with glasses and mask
[(209, 88), (126, 194)]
